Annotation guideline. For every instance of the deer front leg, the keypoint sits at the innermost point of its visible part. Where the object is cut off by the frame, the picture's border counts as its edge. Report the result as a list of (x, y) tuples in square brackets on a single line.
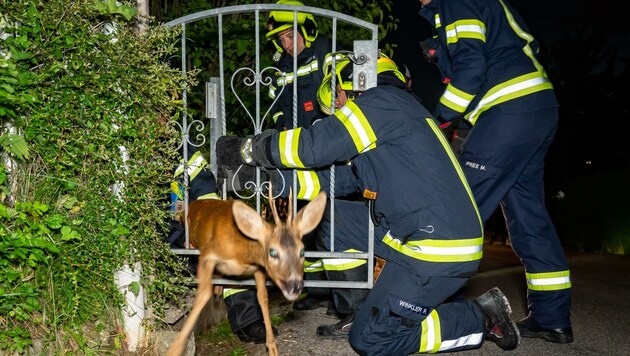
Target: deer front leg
[(263, 301), (204, 292)]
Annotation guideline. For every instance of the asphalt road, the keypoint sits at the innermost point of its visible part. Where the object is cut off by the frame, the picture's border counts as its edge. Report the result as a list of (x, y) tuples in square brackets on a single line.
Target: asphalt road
[(600, 312)]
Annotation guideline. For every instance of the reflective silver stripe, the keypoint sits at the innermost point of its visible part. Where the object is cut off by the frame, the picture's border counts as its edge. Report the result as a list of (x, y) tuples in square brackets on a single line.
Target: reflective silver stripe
[(456, 99), (288, 77), (512, 89), (471, 28), (309, 184), (467, 340), (548, 281), (288, 146), (461, 250), (314, 266), (358, 127), (195, 165)]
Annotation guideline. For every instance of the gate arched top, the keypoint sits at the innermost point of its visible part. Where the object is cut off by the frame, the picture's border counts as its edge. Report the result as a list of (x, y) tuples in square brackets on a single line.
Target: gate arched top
[(269, 7)]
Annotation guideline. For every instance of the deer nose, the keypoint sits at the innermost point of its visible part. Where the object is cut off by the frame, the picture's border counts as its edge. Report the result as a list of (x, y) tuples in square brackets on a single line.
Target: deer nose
[(293, 288)]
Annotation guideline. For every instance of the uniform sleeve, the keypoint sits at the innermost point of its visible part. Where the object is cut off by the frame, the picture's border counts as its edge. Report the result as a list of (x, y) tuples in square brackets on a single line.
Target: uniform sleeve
[(350, 131), (324, 143), (312, 181), (465, 37)]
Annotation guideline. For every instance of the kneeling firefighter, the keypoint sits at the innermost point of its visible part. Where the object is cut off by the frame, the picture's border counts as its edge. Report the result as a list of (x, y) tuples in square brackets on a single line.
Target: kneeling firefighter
[(427, 226)]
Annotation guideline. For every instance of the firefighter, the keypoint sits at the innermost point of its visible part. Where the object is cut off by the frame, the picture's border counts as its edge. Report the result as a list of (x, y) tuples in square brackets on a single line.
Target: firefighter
[(311, 56), (311, 52), (496, 84), (427, 226), (202, 185)]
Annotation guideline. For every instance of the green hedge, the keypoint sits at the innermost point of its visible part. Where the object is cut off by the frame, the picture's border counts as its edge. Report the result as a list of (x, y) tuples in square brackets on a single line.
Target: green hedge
[(80, 94)]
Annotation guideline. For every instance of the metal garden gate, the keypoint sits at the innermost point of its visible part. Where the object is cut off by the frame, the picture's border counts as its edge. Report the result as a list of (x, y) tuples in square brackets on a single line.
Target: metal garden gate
[(366, 52)]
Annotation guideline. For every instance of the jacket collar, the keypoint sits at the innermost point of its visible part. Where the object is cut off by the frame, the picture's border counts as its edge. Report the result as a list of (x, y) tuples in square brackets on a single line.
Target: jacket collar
[(428, 11)]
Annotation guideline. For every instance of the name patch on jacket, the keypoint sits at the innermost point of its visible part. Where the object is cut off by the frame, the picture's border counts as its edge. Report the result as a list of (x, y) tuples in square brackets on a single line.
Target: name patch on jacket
[(474, 165), (419, 309), (308, 106)]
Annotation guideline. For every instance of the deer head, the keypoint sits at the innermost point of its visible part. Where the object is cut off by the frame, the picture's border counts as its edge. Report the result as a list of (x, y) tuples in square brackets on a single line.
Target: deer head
[(282, 242)]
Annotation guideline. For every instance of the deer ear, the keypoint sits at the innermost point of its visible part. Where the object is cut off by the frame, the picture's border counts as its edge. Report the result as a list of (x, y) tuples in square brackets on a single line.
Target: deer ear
[(248, 220), (309, 216)]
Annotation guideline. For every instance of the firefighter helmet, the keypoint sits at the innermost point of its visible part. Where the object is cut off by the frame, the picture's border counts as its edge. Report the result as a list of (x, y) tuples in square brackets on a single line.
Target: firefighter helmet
[(279, 21), (343, 77)]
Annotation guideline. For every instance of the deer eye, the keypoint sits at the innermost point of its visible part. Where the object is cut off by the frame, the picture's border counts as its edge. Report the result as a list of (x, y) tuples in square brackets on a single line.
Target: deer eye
[(273, 252), (302, 253)]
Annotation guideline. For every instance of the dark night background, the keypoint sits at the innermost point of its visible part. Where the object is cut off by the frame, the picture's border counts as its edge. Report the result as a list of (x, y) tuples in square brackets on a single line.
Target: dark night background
[(585, 48)]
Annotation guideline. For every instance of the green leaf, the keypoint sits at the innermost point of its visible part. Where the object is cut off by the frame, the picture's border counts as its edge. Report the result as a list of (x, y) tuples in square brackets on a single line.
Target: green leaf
[(55, 221), (134, 287), (15, 145), (111, 7)]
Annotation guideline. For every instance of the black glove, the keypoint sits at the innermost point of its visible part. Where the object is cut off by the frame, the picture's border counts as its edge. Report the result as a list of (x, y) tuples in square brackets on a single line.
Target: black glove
[(229, 151), (237, 177), (251, 150)]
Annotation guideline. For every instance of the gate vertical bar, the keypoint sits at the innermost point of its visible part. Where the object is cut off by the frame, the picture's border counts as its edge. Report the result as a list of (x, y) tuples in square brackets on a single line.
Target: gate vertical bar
[(185, 139), (222, 88)]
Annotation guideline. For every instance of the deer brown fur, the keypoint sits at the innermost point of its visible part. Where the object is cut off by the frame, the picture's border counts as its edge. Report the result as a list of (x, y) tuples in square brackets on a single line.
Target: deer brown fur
[(234, 240)]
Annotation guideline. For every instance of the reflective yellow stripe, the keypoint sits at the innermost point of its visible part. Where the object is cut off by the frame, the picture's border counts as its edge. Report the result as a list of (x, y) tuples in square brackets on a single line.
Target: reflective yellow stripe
[(469, 28), (209, 196), (195, 164), (464, 250), (431, 337), (231, 291), (512, 89), (309, 185), (276, 116), (289, 140), (549, 281), (457, 166), (455, 99), (342, 264), (288, 77), (524, 35), (358, 127), (438, 22), (315, 266)]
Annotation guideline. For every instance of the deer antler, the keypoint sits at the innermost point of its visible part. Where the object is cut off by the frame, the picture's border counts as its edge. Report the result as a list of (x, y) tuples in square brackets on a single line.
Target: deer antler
[(272, 205)]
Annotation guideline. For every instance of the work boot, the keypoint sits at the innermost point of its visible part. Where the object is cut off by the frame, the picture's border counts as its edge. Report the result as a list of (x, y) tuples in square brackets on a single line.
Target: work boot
[(499, 327), (311, 302), (528, 328), (254, 332), (336, 331)]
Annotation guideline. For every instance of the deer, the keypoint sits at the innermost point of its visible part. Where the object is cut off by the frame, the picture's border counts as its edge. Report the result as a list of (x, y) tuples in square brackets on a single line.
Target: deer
[(234, 240)]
